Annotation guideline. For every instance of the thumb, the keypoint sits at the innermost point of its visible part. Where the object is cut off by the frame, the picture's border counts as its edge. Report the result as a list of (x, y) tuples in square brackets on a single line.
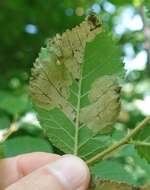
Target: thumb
[(67, 173)]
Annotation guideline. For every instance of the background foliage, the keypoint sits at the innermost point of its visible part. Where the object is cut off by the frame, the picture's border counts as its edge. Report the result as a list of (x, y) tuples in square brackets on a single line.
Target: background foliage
[(25, 27)]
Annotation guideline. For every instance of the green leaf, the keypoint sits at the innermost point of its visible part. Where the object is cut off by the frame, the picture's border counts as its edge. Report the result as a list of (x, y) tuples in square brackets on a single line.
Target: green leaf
[(4, 122), (111, 170), (61, 132), (1, 151), (31, 129), (147, 4), (132, 158), (25, 144), (13, 104), (75, 90), (121, 2), (142, 143)]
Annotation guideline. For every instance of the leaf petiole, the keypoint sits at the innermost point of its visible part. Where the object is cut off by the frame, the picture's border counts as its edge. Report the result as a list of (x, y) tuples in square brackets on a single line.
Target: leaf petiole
[(139, 143)]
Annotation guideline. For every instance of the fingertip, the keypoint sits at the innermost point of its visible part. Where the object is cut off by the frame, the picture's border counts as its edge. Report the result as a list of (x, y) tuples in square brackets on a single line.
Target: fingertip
[(71, 171)]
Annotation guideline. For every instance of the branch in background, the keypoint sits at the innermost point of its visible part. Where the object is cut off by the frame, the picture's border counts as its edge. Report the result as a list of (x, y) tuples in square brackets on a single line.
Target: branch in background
[(123, 142), (6, 133)]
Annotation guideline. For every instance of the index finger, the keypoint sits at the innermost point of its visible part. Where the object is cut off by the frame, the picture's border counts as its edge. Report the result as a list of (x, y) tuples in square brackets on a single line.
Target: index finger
[(12, 169)]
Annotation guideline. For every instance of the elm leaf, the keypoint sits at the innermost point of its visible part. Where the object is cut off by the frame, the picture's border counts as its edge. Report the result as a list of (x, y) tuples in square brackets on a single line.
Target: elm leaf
[(75, 76)]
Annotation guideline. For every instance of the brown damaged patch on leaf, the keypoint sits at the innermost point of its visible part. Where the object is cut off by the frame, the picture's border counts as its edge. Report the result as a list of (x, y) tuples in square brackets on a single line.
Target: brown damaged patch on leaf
[(59, 63), (111, 185), (49, 83), (104, 109), (71, 45)]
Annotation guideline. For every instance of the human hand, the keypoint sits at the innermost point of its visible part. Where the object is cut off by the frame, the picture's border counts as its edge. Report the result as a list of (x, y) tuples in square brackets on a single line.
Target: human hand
[(43, 171)]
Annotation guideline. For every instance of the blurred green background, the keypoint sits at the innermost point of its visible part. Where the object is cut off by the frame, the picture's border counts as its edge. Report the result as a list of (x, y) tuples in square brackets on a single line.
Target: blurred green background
[(25, 26)]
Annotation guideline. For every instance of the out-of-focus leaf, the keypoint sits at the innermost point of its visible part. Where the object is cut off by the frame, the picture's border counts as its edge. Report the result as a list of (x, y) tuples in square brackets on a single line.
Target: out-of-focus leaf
[(25, 144), (13, 104), (31, 129), (4, 122), (143, 148), (1, 151), (139, 167), (121, 2), (147, 4)]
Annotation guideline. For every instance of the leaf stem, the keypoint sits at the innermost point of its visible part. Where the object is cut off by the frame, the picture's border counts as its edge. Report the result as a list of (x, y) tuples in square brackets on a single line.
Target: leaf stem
[(13, 128), (139, 143), (124, 141)]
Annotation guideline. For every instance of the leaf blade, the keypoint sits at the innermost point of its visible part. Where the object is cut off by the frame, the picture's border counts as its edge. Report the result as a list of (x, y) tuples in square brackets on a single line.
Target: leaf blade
[(64, 65)]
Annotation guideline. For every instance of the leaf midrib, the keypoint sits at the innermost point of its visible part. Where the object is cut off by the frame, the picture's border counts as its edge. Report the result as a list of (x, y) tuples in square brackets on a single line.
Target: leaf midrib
[(77, 124)]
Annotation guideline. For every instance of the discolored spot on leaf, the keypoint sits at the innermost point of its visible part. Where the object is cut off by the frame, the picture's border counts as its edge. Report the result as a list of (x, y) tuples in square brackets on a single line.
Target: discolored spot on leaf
[(49, 82), (70, 46), (58, 64), (103, 111)]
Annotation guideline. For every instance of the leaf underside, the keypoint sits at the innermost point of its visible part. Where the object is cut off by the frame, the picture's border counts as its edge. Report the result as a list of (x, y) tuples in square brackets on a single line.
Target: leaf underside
[(75, 90)]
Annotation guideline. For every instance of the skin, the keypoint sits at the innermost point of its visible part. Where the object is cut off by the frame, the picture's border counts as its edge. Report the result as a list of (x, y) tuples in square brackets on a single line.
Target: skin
[(30, 171)]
